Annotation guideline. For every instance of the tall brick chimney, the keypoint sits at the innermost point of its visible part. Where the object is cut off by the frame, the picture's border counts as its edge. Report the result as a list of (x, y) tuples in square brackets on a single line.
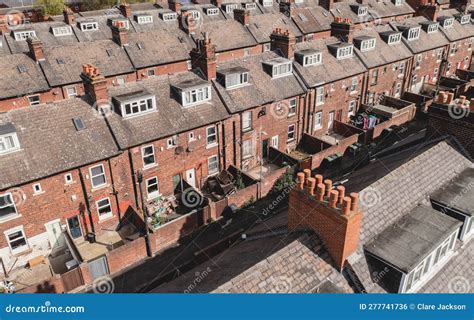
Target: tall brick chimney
[(342, 29), (69, 17), (204, 57), (217, 3), (431, 12), (286, 7), (174, 5), (95, 85), (242, 16), (120, 34), (35, 47), (126, 10), (334, 217), (284, 41), (327, 4)]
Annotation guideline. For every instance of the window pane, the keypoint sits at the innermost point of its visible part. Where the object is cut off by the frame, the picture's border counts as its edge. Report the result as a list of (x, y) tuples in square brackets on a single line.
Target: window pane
[(97, 170), (99, 180)]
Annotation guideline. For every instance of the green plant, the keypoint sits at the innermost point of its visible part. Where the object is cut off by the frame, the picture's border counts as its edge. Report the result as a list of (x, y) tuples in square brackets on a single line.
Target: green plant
[(285, 181), (50, 7), (239, 181)]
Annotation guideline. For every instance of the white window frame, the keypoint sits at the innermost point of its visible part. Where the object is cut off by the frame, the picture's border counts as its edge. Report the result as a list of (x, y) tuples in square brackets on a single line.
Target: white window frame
[(282, 69), (16, 214), (247, 121), (169, 16), (414, 33), (95, 176), (229, 8), (267, 3), (68, 179), (10, 141), (145, 19), (275, 141), (21, 249), (191, 136), (345, 52), (398, 2), (240, 79), (212, 161), (35, 102), (250, 6), (24, 35), (89, 26), (37, 188), (152, 154), (312, 59), (108, 214), (291, 133), (214, 135), (367, 45), (171, 143), (448, 23), (394, 38), (432, 28), (320, 96), (465, 19), (362, 11), (196, 96), (62, 31), (148, 184), (73, 94), (247, 149), (137, 107), (212, 11), (354, 84), (292, 107), (150, 73), (318, 120)]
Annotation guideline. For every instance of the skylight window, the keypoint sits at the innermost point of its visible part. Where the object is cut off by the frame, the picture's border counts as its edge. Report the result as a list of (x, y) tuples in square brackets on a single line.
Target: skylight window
[(144, 18), (89, 26), (367, 45), (169, 16), (62, 31), (345, 52), (23, 35)]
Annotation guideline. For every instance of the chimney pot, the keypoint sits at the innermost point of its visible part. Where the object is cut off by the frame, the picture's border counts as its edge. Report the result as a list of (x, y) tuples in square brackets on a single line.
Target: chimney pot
[(204, 57), (450, 98), (307, 174), (69, 17), (283, 42), (126, 10), (320, 191), (346, 205), (311, 182), (354, 201), (95, 84), (328, 184), (333, 195), (319, 179), (35, 47), (341, 191), (300, 179)]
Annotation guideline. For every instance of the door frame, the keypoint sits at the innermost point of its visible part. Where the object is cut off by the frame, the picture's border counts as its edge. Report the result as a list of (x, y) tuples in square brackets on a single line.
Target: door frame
[(47, 232)]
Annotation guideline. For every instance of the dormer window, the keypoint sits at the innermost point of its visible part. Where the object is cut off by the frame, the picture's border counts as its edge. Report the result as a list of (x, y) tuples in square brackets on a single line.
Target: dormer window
[(234, 77), (359, 10), (413, 33), (8, 139), (367, 44), (230, 7), (195, 96), (464, 19), (345, 52), (279, 67), (212, 11), (62, 31), (394, 38), (448, 23), (24, 34), (432, 28), (169, 16), (135, 103), (267, 3), (144, 18), (89, 26), (196, 15), (309, 57), (250, 6), (397, 2)]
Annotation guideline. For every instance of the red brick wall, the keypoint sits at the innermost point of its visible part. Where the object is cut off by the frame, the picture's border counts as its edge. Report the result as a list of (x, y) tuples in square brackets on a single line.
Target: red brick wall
[(463, 51), (388, 77), (126, 255), (170, 233), (163, 69), (238, 53), (22, 102), (341, 147), (427, 66)]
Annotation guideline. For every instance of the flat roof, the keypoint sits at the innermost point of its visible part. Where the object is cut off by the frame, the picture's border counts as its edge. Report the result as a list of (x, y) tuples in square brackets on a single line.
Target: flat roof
[(410, 239), (459, 193)]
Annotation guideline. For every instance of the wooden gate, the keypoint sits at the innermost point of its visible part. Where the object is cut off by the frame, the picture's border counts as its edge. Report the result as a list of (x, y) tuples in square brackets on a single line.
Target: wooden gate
[(72, 279)]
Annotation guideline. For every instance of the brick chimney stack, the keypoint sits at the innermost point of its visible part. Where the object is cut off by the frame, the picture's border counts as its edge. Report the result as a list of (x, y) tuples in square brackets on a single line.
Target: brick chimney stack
[(334, 217), (431, 12), (327, 4), (217, 3), (174, 5), (286, 7), (242, 16), (35, 47), (204, 57), (342, 29), (69, 17), (283, 41), (95, 84), (126, 10), (120, 34)]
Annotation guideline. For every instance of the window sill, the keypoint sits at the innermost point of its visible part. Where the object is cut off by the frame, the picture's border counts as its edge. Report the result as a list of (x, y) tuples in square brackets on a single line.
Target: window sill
[(22, 252), (247, 157), (291, 115), (210, 146), (70, 183), (247, 130), (38, 193), (105, 219), (153, 197), (9, 218), (318, 128), (151, 166), (290, 140), (99, 187)]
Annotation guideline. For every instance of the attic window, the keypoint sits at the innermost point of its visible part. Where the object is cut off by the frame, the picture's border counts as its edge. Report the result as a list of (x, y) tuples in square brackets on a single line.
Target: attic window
[(250, 6), (345, 52), (89, 26), (465, 18), (267, 3), (196, 15), (8, 139), (144, 18), (413, 33), (448, 23), (192, 96), (169, 16), (432, 28), (309, 57), (212, 11), (62, 31), (359, 10), (79, 124), (235, 79), (394, 38), (229, 8), (23, 35), (282, 69), (22, 68), (134, 104), (398, 2), (367, 45)]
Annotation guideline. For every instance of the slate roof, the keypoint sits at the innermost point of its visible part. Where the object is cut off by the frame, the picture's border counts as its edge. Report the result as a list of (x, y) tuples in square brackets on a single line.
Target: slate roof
[(401, 183), (330, 69), (426, 41), (158, 47), (458, 194), (4, 48), (16, 83), (383, 53), (263, 25), (75, 56), (158, 23), (50, 143), (386, 8), (458, 31), (312, 19), (410, 239), (344, 10), (262, 89), (170, 118), (102, 18), (236, 36), (289, 263)]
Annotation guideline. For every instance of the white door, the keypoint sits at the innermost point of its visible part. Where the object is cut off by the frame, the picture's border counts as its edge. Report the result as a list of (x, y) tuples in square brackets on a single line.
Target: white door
[(417, 87), (275, 142), (331, 120), (55, 234), (191, 177)]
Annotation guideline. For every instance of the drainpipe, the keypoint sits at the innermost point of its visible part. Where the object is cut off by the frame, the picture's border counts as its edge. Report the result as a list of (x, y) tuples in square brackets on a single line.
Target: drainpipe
[(114, 191), (224, 159), (235, 142), (134, 178), (86, 197), (145, 214)]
